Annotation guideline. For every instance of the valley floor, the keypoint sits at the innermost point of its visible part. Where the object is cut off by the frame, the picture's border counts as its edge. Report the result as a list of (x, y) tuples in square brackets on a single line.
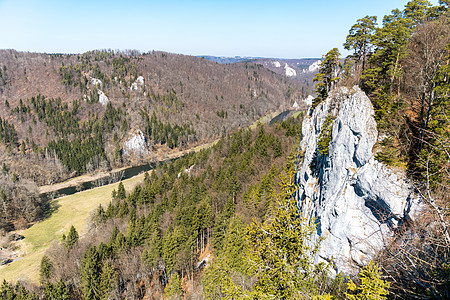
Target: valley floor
[(70, 210)]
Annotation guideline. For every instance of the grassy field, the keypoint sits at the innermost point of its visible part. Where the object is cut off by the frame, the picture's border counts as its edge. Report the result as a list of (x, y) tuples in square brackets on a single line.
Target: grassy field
[(72, 210), (264, 119), (296, 114)]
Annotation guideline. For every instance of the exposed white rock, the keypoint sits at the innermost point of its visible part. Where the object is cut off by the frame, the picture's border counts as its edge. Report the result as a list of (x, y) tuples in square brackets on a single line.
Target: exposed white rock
[(313, 67), (289, 71), (187, 171), (97, 82), (309, 100), (276, 64), (136, 144), (139, 82), (295, 105), (102, 98), (357, 201)]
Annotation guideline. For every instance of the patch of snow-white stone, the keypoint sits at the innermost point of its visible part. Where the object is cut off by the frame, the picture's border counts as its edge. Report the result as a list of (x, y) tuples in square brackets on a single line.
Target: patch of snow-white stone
[(186, 171), (136, 144), (102, 98), (139, 82), (276, 64), (97, 82), (313, 67), (289, 71), (309, 100)]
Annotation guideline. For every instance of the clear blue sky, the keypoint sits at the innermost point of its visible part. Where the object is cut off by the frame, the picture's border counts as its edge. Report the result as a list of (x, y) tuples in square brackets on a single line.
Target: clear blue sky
[(284, 29)]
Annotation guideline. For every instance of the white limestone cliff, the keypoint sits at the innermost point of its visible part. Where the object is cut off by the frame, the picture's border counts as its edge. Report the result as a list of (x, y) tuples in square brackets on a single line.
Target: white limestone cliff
[(138, 83), (309, 100), (102, 98), (314, 67), (357, 201), (136, 144), (289, 71)]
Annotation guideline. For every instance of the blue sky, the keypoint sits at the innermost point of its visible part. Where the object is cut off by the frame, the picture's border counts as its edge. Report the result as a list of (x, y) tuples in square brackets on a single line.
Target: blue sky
[(284, 29)]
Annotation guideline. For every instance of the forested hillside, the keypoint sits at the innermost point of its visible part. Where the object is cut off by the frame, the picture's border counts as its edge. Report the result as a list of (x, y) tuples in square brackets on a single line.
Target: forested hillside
[(167, 230), (94, 102), (66, 115)]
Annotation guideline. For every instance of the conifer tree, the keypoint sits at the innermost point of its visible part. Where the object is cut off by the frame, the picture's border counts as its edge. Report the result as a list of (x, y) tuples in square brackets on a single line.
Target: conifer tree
[(173, 290), (371, 286), (58, 291), (360, 38), (282, 252), (72, 237), (435, 155), (90, 274), (327, 76), (121, 194), (45, 269)]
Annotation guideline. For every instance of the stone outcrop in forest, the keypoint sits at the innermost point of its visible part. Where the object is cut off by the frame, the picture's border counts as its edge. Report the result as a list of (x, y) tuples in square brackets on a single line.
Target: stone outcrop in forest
[(357, 201)]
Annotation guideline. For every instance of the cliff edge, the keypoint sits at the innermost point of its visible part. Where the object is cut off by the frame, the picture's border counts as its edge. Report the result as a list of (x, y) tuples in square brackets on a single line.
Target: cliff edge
[(357, 201)]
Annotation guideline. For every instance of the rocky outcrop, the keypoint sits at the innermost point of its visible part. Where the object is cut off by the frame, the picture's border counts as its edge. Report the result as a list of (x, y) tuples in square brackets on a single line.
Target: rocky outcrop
[(139, 83), (289, 71), (102, 98), (309, 100), (136, 144), (357, 201)]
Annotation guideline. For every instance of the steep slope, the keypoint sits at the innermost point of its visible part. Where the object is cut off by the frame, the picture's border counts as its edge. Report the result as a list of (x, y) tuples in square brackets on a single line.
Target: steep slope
[(104, 99), (358, 202)]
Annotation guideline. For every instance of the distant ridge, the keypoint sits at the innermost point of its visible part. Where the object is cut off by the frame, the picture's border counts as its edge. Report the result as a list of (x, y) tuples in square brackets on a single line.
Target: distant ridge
[(236, 59)]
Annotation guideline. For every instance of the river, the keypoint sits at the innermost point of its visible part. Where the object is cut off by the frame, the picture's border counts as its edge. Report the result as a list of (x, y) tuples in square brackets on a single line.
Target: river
[(111, 178)]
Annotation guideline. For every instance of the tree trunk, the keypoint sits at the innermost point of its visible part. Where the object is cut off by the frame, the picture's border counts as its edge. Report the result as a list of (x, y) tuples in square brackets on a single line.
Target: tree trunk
[(394, 72)]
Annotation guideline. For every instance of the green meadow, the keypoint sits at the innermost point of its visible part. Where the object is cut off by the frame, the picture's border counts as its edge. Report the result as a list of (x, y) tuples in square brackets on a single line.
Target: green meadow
[(71, 210)]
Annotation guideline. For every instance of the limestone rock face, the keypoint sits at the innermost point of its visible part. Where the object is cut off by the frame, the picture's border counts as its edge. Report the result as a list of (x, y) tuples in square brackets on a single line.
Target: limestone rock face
[(356, 200), (309, 100), (136, 144), (102, 98)]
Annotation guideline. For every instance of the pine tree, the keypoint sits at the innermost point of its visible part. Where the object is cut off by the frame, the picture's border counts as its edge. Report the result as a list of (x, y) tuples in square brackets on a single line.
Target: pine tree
[(434, 156), (72, 237), (45, 269), (371, 286), (106, 280), (90, 274), (327, 76), (173, 290), (282, 252), (121, 194), (360, 38), (58, 291)]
